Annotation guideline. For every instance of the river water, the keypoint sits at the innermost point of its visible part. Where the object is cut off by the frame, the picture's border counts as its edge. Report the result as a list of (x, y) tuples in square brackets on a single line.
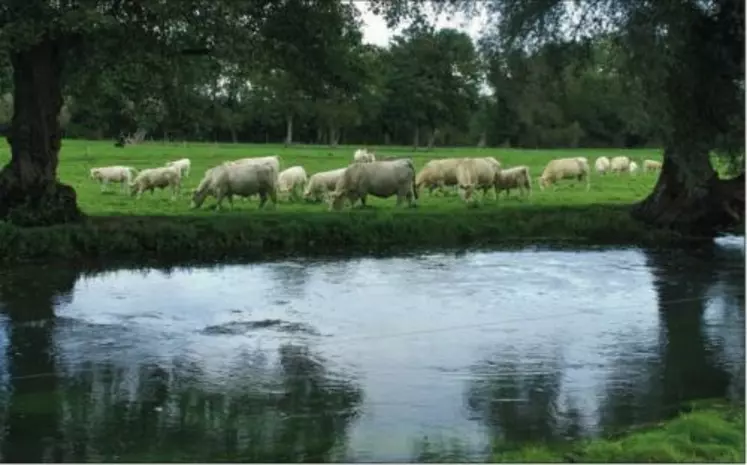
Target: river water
[(363, 359)]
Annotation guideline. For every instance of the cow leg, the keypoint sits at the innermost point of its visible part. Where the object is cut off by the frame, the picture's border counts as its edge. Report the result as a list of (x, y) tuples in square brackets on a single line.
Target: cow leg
[(411, 199), (273, 195), (262, 199)]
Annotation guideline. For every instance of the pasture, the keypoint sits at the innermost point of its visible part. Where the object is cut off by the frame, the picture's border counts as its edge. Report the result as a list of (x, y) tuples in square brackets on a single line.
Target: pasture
[(77, 157), (155, 227)]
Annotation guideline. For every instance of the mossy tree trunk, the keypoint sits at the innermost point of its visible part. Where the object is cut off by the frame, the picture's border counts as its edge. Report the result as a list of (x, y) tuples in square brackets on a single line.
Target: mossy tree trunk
[(30, 194), (701, 94), (705, 206)]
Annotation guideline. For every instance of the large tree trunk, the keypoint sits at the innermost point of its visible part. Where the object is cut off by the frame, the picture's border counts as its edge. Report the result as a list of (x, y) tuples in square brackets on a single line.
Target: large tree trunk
[(703, 208), (30, 194), (700, 95)]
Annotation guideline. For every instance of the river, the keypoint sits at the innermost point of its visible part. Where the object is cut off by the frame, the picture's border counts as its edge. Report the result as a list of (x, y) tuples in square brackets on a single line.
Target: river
[(363, 359)]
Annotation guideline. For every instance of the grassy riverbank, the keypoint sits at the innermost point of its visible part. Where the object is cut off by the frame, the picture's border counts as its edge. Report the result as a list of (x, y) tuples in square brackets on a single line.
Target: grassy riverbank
[(276, 234), (155, 227), (713, 432)]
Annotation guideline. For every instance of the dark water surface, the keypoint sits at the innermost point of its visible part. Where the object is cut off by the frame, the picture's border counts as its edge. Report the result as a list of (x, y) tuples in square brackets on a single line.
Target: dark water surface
[(362, 359)]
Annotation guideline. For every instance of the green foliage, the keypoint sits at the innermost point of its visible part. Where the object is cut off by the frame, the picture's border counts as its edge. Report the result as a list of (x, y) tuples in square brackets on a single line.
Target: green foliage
[(314, 42), (568, 94), (435, 75), (270, 62), (710, 433)]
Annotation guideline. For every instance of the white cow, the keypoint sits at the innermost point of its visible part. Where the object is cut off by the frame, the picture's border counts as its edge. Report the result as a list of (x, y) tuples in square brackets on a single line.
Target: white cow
[(602, 165), (619, 164), (564, 168), (271, 160), (241, 179), (121, 175), (292, 181), (512, 178), (364, 156), (438, 174), (379, 178), (476, 173), (157, 178), (321, 184), (183, 165), (651, 165)]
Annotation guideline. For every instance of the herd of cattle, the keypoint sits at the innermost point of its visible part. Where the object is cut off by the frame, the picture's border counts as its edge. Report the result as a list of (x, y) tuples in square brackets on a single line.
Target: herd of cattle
[(364, 176)]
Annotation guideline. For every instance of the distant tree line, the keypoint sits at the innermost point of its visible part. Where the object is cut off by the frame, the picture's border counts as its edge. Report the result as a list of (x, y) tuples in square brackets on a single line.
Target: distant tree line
[(423, 90)]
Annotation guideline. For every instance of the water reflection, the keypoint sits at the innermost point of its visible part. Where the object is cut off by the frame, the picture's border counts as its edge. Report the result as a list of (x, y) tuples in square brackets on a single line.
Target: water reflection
[(526, 393), (32, 420), (291, 409), (687, 364), (320, 361), (519, 404), (290, 278)]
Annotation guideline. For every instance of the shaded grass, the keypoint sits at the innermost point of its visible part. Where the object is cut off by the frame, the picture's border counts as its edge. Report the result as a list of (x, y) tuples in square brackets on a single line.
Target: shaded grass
[(154, 227), (276, 234), (710, 432)]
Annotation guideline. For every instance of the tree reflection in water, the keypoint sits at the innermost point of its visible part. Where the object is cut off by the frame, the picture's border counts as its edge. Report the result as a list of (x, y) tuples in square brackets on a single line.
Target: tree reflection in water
[(293, 411), (290, 410), (520, 403), (28, 297), (688, 365)]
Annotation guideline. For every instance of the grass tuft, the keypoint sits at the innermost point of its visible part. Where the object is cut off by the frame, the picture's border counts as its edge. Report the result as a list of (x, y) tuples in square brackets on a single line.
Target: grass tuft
[(713, 435), (714, 432)]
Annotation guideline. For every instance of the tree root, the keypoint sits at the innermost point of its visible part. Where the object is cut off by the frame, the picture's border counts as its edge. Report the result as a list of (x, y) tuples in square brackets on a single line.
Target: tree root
[(717, 207), (43, 204)]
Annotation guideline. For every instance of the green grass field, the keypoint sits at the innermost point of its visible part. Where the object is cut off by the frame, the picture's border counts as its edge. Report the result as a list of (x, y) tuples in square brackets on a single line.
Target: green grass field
[(155, 227), (77, 157)]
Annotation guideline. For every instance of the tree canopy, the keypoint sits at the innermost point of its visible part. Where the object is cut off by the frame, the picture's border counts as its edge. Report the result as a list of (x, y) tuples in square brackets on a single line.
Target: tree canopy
[(434, 85)]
